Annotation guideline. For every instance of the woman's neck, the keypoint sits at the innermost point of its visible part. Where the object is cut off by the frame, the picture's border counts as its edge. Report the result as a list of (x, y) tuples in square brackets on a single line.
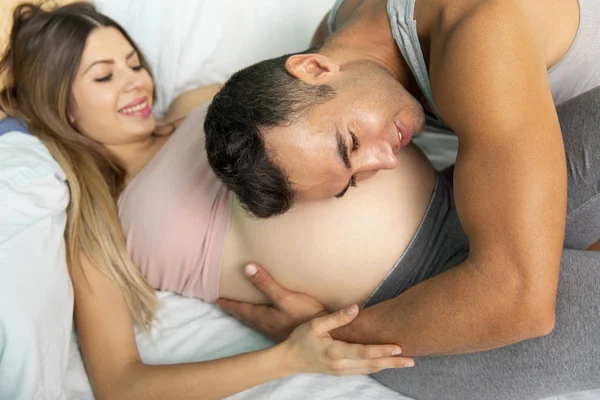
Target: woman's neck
[(133, 157)]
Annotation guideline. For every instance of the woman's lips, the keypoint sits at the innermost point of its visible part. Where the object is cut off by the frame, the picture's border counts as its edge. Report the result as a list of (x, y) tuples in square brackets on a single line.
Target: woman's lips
[(140, 109)]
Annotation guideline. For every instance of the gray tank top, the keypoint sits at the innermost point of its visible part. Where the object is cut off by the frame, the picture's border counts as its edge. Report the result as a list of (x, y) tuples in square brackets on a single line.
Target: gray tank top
[(577, 72)]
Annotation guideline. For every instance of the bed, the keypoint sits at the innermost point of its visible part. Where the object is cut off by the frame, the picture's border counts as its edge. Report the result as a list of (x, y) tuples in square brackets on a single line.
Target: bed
[(201, 42)]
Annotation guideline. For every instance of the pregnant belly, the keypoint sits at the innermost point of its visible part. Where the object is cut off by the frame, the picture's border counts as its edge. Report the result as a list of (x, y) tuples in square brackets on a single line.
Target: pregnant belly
[(337, 251), (334, 277)]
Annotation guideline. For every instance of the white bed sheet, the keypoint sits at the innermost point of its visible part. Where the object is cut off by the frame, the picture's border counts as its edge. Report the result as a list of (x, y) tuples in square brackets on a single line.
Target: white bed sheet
[(188, 329)]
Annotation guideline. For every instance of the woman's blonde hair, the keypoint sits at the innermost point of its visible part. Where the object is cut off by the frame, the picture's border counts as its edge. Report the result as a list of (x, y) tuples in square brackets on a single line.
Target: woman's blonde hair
[(39, 66)]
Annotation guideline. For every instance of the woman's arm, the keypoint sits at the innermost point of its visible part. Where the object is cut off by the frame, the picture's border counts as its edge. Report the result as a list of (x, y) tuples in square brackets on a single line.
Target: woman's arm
[(115, 369)]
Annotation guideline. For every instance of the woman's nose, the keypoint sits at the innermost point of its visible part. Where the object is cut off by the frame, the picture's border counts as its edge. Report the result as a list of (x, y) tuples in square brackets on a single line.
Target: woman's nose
[(133, 81)]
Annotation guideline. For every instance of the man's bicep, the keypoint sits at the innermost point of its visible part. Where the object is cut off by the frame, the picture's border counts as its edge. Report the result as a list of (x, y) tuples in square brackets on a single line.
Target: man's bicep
[(510, 178)]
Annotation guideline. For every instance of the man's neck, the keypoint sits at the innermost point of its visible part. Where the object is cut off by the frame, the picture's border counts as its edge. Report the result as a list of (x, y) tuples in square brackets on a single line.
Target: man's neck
[(366, 35)]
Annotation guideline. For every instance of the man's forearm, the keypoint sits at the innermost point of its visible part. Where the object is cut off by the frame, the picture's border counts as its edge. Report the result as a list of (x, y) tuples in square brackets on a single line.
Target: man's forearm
[(460, 311)]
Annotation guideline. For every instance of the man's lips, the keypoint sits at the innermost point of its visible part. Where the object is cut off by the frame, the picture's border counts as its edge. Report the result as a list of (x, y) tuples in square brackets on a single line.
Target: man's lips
[(404, 133)]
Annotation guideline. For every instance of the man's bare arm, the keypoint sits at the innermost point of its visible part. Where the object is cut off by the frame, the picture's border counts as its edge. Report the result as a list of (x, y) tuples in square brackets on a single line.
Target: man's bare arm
[(490, 85)]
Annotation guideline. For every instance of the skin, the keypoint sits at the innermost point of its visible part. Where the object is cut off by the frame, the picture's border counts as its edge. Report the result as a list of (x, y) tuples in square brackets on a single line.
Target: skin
[(104, 325), (308, 151), (107, 81), (511, 200), (390, 206)]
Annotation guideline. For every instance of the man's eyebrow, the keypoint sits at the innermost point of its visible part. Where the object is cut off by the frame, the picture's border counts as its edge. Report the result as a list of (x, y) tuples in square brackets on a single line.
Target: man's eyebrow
[(133, 52), (342, 149)]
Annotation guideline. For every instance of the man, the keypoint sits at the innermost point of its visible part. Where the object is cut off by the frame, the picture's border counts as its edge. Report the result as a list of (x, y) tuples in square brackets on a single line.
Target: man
[(322, 121)]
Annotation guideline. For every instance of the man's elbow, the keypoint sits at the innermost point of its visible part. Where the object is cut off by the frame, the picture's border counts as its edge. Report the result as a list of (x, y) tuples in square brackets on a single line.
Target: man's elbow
[(541, 321), (535, 314), (530, 307)]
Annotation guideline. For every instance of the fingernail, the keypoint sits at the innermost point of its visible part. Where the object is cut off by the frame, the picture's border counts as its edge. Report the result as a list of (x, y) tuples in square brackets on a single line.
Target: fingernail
[(352, 310), (250, 270), (409, 364), (396, 352)]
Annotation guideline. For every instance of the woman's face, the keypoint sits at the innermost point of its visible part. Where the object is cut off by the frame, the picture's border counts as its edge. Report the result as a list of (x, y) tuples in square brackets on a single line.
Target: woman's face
[(112, 93)]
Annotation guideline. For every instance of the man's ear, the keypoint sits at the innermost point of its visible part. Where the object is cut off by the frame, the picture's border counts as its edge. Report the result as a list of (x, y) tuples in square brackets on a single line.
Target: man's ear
[(312, 68)]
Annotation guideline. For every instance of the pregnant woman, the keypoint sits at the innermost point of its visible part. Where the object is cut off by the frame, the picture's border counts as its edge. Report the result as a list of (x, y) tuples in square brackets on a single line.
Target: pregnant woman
[(83, 88)]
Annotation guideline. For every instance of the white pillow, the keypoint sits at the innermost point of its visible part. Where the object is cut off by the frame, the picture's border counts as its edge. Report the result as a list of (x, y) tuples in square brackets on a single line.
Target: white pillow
[(36, 298), (192, 43)]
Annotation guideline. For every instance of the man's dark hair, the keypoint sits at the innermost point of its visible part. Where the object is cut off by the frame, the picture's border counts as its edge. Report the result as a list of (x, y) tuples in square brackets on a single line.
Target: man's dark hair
[(257, 98)]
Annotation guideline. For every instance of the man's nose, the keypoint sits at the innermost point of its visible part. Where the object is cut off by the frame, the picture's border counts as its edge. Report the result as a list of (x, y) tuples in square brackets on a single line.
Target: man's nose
[(387, 155), (381, 157)]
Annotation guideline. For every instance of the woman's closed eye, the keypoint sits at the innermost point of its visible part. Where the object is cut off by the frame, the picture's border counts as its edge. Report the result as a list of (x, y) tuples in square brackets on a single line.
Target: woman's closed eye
[(108, 77)]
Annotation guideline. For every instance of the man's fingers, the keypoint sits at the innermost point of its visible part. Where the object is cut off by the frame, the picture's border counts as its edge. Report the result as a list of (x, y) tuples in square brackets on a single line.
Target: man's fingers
[(229, 306), (265, 282), (242, 311), (327, 323)]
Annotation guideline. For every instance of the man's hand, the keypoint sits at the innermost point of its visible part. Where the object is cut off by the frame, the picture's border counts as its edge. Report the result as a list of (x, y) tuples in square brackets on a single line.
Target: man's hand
[(277, 321)]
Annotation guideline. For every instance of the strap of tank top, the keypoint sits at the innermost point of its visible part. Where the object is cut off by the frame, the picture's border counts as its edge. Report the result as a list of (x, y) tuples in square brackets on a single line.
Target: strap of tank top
[(332, 15), (404, 30)]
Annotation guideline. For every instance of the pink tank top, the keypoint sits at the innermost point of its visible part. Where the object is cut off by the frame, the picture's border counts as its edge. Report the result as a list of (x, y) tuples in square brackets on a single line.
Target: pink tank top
[(175, 215)]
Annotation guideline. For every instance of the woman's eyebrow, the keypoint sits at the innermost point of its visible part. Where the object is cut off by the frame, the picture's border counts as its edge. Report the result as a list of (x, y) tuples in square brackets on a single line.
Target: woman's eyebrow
[(108, 61)]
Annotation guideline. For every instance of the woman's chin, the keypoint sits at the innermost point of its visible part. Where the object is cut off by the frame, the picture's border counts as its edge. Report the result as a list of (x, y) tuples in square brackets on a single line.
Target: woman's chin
[(142, 129)]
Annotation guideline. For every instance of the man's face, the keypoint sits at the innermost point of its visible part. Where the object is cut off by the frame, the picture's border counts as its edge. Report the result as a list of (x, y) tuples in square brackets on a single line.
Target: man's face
[(348, 138)]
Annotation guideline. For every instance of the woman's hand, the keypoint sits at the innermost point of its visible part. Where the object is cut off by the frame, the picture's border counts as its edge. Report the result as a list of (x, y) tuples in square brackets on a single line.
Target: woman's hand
[(310, 349), (306, 324)]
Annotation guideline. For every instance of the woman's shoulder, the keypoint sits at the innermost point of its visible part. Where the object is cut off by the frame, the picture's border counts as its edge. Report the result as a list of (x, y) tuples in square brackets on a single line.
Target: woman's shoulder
[(187, 102)]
